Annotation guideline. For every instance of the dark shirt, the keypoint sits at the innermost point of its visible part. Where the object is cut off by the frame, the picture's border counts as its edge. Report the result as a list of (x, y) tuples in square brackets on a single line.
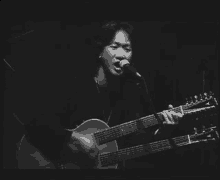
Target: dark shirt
[(65, 105)]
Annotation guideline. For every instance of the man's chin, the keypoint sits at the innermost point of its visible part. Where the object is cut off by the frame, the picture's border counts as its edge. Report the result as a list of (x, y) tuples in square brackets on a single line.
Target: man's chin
[(116, 72)]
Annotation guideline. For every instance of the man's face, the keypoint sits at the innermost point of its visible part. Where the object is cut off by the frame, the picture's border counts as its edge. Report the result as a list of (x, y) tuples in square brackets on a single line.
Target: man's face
[(119, 49)]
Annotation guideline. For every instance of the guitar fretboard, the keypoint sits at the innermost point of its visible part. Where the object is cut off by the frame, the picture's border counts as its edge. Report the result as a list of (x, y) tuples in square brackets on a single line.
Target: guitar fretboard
[(118, 131), (137, 151)]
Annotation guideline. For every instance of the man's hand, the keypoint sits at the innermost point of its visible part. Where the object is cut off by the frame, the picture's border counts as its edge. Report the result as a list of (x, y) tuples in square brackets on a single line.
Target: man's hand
[(171, 117)]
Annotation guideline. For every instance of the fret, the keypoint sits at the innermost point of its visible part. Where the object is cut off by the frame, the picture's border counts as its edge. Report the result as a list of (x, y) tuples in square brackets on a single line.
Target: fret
[(160, 145), (181, 140), (192, 138), (108, 134), (189, 139)]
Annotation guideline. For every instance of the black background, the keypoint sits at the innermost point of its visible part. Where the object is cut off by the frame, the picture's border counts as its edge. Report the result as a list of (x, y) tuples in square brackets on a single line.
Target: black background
[(167, 53)]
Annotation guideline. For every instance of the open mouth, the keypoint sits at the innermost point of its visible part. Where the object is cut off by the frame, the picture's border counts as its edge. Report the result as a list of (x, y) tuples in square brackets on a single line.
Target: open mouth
[(117, 66)]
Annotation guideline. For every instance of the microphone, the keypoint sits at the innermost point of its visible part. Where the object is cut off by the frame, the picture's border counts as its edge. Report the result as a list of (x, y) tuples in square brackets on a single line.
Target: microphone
[(125, 65)]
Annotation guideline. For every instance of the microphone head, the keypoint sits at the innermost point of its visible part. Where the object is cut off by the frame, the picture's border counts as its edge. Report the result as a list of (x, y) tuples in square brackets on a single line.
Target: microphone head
[(124, 63)]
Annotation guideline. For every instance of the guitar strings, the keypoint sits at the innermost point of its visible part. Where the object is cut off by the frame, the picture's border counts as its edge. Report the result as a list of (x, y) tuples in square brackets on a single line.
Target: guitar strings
[(144, 119), (119, 128), (102, 134), (151, 147), (179, 141), (112, 129)]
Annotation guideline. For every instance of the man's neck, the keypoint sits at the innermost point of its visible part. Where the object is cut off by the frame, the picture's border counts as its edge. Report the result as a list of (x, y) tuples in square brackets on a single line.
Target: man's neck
[(106, 81), (101, 77)]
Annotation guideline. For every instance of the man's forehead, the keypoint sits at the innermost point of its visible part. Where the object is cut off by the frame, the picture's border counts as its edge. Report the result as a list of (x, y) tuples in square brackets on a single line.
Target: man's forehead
[(121, 38)]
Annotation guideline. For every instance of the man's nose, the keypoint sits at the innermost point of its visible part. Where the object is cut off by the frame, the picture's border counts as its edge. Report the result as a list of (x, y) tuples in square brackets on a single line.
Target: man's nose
[(121, 52)]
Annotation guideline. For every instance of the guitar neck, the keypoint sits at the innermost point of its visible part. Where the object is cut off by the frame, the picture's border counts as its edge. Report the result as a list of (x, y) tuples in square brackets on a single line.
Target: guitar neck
[(137, 151), (192, 104), (118, 131)]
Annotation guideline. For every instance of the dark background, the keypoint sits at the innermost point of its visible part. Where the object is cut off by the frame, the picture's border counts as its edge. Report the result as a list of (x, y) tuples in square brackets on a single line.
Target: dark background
[(167, 53)]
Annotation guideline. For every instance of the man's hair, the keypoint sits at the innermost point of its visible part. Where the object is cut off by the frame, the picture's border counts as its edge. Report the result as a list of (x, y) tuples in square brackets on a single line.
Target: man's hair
[(107, 31)]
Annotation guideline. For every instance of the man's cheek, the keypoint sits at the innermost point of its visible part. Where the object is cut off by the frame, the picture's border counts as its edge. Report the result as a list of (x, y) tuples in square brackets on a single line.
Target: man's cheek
[(106, 62), (129, 57)]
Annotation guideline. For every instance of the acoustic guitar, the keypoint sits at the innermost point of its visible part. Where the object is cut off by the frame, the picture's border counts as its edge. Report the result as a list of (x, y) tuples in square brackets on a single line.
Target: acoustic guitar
[(105, 136), (109, 156), (91, 127)]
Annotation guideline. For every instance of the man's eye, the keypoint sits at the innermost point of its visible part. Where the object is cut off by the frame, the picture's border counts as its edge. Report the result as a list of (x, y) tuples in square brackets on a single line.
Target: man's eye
[(127, 49)]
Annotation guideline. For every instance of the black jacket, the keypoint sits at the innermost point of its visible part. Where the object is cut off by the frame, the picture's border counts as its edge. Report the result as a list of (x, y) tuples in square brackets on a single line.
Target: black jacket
[(53, 106)]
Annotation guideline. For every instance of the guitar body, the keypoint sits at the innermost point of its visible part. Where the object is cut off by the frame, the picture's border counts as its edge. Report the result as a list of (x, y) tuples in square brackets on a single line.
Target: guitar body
[(30, 157), (92, 126)]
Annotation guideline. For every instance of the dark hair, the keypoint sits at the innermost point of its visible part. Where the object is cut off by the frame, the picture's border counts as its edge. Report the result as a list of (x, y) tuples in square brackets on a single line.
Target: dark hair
[(107, 31)]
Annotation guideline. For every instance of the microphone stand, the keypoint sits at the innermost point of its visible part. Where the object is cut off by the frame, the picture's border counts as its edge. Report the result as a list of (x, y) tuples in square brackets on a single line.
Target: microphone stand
[(203, 68), (140, 77), (151, 102)]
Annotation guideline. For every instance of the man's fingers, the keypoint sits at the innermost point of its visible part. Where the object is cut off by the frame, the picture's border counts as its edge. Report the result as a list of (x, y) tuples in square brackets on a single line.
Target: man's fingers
[(170, 106), (165, 115), (180, 115), (177, 115), (181, 110), (170, 117)]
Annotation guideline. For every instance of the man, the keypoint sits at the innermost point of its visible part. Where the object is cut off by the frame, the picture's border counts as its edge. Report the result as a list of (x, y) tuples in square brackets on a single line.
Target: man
[(130, 101), (110, 95)]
